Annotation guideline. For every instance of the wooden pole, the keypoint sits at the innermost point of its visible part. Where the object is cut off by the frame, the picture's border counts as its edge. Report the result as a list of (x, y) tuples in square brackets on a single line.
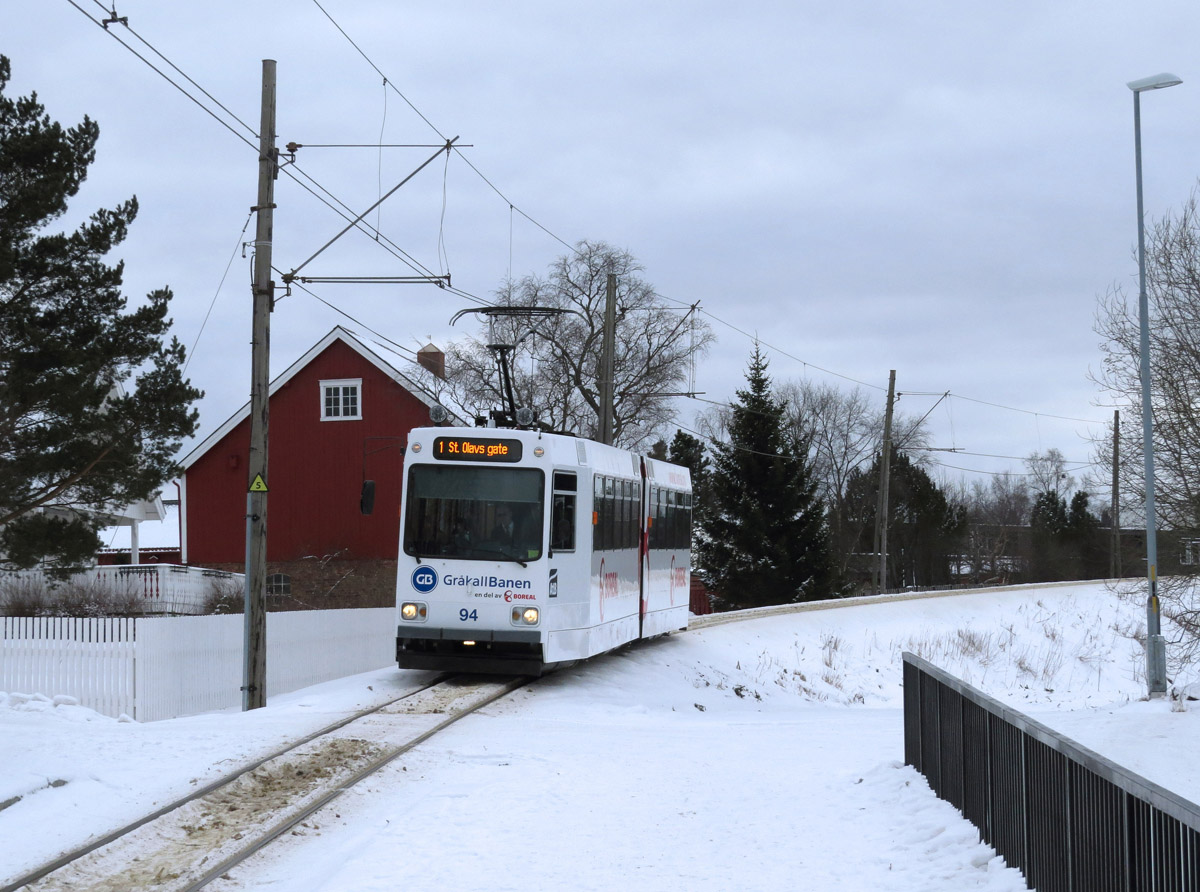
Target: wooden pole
[(254, 675), (608, 363)]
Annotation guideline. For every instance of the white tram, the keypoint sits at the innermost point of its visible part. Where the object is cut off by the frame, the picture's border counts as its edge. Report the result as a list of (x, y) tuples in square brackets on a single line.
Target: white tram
[(521, 550)]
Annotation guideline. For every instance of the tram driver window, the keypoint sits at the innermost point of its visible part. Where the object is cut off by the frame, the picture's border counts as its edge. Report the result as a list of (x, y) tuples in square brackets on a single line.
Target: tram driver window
[(562, 518)]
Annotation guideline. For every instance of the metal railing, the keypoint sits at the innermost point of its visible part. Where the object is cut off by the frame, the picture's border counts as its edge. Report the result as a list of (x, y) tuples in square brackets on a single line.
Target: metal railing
[(1069, 819)]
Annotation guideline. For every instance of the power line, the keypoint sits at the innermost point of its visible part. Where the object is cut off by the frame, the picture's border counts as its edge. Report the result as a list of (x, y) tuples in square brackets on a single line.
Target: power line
[(397, 347), (942, 394), (513, 207), (165, 77), (390, 83), (291, 170), (217, 293), (1028, 411), (399, 253)]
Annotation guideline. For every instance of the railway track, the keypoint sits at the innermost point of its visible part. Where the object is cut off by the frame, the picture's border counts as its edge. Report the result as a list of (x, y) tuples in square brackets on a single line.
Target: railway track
[(190, 842), (194, 840)]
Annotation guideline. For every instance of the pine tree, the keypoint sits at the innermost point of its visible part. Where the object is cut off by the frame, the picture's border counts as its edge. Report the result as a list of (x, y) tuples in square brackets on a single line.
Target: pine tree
[(763, 538), (75, 440)]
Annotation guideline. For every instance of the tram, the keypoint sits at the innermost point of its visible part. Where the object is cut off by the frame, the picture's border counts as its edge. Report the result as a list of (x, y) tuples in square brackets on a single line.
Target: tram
[(522, 551)]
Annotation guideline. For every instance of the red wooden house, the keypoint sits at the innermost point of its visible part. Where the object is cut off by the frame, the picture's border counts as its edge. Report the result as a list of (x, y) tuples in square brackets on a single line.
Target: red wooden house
[(338, 416)]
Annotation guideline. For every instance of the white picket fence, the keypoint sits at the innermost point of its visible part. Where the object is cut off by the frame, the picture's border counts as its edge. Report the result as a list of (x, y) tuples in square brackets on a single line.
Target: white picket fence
[(162, 667)]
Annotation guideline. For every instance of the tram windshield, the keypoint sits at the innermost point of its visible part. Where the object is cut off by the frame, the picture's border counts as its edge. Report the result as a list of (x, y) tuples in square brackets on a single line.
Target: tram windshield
[(474, 513)]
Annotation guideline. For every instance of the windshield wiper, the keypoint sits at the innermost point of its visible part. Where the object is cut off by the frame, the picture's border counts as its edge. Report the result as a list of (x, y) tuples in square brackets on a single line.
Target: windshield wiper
[(504, 554)]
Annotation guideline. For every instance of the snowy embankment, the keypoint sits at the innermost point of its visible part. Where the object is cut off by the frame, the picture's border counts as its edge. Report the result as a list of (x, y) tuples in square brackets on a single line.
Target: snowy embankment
[(757, 755)]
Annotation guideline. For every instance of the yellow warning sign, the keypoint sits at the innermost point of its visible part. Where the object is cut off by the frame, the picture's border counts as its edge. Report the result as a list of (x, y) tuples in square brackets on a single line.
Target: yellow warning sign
[(259, 485)]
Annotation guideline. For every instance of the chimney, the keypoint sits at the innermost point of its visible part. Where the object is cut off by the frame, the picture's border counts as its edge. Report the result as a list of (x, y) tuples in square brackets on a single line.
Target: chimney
[(431, 358)]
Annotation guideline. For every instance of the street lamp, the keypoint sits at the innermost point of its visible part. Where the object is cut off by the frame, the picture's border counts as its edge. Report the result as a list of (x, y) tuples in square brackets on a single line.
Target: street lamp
[(1156, 652)]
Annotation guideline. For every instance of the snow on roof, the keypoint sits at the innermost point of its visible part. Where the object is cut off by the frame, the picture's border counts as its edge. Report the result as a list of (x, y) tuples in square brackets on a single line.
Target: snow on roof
[(160, 532)]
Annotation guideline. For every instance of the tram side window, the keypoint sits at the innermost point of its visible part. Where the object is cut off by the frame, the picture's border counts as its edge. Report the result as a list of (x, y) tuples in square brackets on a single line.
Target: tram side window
[(610, 513), (598, 512), (652, 510), (635, 520), (616, 522), (682, 524), (671, 513), (625, 540), (618, 538), (562, 520), (612, 493)]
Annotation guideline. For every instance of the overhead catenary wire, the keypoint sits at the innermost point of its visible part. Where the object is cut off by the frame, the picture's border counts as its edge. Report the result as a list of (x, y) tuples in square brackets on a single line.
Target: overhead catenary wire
[(457, 150), (399, 348), (360, 217), (241, 236), (932, 461), (513, 208), (379, 163), (913, 430), (290, 170), (167, 78)]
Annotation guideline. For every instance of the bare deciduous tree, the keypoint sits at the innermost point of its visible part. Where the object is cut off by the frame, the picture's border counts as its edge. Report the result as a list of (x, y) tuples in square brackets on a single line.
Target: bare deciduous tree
[(1048, 472), (556, 360), (843, 430), (1173, 290)]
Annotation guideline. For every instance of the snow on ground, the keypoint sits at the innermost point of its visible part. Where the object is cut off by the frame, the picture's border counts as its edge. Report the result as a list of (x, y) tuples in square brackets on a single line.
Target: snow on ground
[(755, 755)]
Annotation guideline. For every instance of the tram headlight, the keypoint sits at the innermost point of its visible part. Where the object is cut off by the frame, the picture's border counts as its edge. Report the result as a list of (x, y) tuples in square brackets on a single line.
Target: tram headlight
[(413, 611), (525, 616)]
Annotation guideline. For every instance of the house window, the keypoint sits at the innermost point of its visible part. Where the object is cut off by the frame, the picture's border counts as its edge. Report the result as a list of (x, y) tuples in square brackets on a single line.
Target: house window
[(1191, 550), (279, 585), (341, 400)]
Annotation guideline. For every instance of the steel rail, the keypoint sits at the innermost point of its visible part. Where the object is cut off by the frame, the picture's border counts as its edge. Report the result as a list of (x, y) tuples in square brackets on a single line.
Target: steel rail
[(337, 790), (112, 836)]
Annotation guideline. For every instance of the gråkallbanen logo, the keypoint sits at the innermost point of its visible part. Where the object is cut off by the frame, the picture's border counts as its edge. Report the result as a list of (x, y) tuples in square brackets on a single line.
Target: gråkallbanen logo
[(424, 579)]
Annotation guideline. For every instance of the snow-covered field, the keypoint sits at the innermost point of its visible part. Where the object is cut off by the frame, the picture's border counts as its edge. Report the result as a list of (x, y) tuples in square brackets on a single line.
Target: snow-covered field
[(753, 755)]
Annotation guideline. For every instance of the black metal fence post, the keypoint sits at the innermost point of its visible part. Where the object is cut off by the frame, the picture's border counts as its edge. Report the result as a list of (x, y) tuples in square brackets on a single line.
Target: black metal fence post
[(1069, 819)]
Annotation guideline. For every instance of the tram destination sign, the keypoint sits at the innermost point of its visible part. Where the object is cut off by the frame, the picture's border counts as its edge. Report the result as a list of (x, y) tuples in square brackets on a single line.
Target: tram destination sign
[(476, 449)]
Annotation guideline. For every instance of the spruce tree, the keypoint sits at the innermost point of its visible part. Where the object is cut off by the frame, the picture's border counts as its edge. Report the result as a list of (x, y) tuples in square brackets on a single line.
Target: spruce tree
[(688, 451), (1047, 533), (925, 531), (763, 538), (93, 405)]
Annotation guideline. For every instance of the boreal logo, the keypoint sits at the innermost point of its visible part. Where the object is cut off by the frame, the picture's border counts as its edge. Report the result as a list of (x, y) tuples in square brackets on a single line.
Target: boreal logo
[(424, 579)]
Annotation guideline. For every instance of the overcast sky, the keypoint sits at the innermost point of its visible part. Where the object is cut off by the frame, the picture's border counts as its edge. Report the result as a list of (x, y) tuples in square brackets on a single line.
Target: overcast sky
[(940, 188)]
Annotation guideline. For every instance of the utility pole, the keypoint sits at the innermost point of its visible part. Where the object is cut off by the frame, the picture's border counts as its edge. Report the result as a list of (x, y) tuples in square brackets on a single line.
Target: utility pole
[(885, 478), (608, 363), (1114, 560), (254, 674)]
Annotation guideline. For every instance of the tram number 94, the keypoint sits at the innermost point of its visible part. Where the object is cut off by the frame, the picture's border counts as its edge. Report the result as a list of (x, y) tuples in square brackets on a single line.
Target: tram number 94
[(468, 615)]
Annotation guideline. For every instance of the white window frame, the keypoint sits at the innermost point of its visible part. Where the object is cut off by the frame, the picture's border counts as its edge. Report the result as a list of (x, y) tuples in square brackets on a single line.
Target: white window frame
[(327, 385)]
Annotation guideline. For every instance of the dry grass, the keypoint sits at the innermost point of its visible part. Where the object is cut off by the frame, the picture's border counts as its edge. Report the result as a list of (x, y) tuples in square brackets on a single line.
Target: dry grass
[(79, 597)]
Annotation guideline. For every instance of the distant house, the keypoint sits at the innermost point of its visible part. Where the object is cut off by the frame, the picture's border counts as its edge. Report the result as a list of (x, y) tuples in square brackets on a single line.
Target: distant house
[(339, 415)]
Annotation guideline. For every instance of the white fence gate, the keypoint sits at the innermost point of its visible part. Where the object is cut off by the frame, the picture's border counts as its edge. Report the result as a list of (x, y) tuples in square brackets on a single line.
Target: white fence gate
[(161, 667)]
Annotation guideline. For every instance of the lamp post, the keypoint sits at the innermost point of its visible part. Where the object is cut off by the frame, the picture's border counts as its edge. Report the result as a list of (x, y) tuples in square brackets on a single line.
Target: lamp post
[(1156, 654)]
